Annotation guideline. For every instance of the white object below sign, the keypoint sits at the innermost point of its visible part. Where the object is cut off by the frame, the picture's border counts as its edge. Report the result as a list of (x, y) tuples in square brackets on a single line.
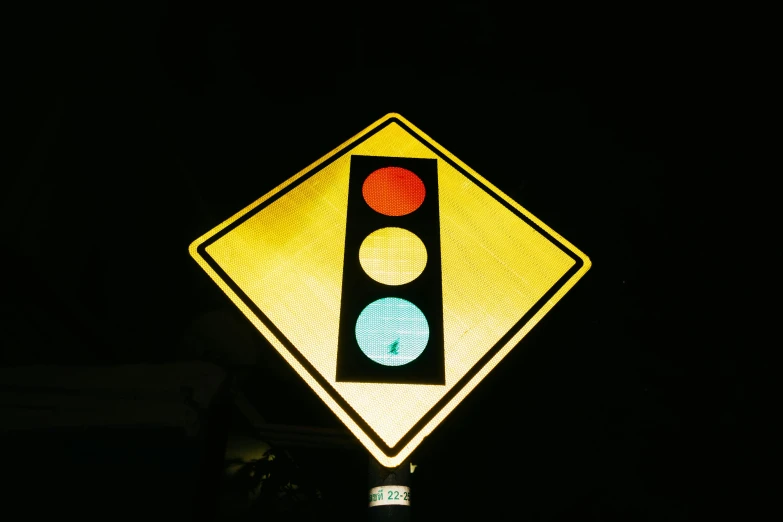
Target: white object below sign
[(390, 496)]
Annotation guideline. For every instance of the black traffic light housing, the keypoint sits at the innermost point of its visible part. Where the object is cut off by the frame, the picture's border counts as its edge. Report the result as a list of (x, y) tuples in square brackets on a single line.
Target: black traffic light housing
[(359, 289)]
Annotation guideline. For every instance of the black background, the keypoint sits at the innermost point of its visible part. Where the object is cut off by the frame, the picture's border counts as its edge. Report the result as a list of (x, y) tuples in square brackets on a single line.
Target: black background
[(633, 132)]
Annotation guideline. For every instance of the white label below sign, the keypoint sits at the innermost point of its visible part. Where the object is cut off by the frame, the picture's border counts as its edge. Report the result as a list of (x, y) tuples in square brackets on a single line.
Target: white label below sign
[(390, 496)]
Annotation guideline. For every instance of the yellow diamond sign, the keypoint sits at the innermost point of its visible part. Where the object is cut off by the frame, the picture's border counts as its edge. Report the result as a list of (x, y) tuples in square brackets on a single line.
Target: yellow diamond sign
[(392, 278)]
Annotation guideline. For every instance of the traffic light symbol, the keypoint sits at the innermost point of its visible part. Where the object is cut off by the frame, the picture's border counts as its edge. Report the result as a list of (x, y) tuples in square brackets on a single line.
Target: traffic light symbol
[(391, 314)]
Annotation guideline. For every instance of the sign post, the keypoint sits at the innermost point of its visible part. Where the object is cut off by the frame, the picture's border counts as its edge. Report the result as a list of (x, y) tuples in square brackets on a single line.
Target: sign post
[(389, 492), (392, 277)]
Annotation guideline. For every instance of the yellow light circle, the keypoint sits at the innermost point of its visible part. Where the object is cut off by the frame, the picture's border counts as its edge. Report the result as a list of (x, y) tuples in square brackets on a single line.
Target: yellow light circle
[(393, 256)]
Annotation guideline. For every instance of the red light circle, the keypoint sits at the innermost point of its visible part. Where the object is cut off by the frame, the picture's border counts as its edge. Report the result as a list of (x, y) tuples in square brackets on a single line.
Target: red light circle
[(393, 191)]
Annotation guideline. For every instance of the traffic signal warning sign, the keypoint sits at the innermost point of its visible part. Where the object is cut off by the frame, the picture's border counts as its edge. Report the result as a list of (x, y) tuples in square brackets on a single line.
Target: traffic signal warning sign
[(392, 278)]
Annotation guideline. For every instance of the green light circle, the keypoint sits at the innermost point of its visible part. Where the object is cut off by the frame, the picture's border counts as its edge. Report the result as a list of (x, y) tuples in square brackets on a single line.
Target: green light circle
[(392, 331)]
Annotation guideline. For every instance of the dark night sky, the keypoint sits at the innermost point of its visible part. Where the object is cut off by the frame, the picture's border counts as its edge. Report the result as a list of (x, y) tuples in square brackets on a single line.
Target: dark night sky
[(138, 128)]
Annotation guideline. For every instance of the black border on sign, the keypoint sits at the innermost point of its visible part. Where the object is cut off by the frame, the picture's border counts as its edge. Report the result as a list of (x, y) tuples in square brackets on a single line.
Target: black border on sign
[(390, 451)]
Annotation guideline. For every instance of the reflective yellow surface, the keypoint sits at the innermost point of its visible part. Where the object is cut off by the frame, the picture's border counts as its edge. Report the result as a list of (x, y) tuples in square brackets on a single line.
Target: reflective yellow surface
[(288, 259), (393, 256)]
